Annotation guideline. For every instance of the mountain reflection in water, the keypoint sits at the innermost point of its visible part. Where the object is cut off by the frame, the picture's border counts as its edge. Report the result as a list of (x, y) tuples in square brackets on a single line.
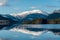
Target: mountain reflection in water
[(15, 34)]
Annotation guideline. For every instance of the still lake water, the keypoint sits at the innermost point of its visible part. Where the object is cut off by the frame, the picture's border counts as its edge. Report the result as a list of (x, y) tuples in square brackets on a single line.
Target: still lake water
[(18, 35)]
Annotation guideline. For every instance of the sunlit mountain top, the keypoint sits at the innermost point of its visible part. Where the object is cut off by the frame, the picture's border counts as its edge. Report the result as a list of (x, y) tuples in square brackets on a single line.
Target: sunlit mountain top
[(23, 14)]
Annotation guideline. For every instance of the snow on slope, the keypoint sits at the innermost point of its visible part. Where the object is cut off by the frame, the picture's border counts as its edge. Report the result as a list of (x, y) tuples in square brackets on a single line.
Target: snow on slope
[(23, 14)]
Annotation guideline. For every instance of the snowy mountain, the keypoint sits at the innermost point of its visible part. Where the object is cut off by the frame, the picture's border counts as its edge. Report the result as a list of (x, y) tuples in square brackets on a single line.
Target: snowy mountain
[(7, 21), (35, 16), (29, 15), (54, 15), (56, 11), (17, 18), (23, 14), (10, 16)]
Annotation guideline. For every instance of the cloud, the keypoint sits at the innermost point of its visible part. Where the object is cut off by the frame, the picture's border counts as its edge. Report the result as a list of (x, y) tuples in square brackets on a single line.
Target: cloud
[(33, 7), (3, 2)]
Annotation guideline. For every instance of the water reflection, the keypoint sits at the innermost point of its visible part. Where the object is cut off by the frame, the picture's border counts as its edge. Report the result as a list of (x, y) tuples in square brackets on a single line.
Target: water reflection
[(11, 35), (34, 27), (39, 32)]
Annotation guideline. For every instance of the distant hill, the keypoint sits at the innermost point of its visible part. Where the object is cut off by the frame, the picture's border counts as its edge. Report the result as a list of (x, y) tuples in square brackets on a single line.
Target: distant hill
[(6, 21)]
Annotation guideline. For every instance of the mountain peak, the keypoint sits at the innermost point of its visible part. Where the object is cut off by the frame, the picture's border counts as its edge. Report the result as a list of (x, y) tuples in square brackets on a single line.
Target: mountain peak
[(30, 12), (56, 11), (23, 14)]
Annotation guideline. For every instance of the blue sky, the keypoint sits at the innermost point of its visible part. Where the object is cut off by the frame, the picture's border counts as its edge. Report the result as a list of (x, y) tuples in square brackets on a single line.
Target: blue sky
[(16, 6)]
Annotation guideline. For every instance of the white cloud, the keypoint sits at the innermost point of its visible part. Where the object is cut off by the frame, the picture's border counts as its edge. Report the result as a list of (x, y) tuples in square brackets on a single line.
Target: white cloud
[(3, 2), (33, 7)]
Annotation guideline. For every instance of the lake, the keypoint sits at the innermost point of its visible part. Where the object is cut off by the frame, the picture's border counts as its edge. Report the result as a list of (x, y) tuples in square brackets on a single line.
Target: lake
[(20, 32)]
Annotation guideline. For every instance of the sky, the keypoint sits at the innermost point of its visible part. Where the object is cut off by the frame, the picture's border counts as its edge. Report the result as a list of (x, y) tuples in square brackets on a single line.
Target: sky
[(17, 6)]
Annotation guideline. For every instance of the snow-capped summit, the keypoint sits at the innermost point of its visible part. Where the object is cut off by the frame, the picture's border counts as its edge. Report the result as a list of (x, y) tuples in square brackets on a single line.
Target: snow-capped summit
[(23, 14), (56, 11), (30, 12), (55, 15)]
